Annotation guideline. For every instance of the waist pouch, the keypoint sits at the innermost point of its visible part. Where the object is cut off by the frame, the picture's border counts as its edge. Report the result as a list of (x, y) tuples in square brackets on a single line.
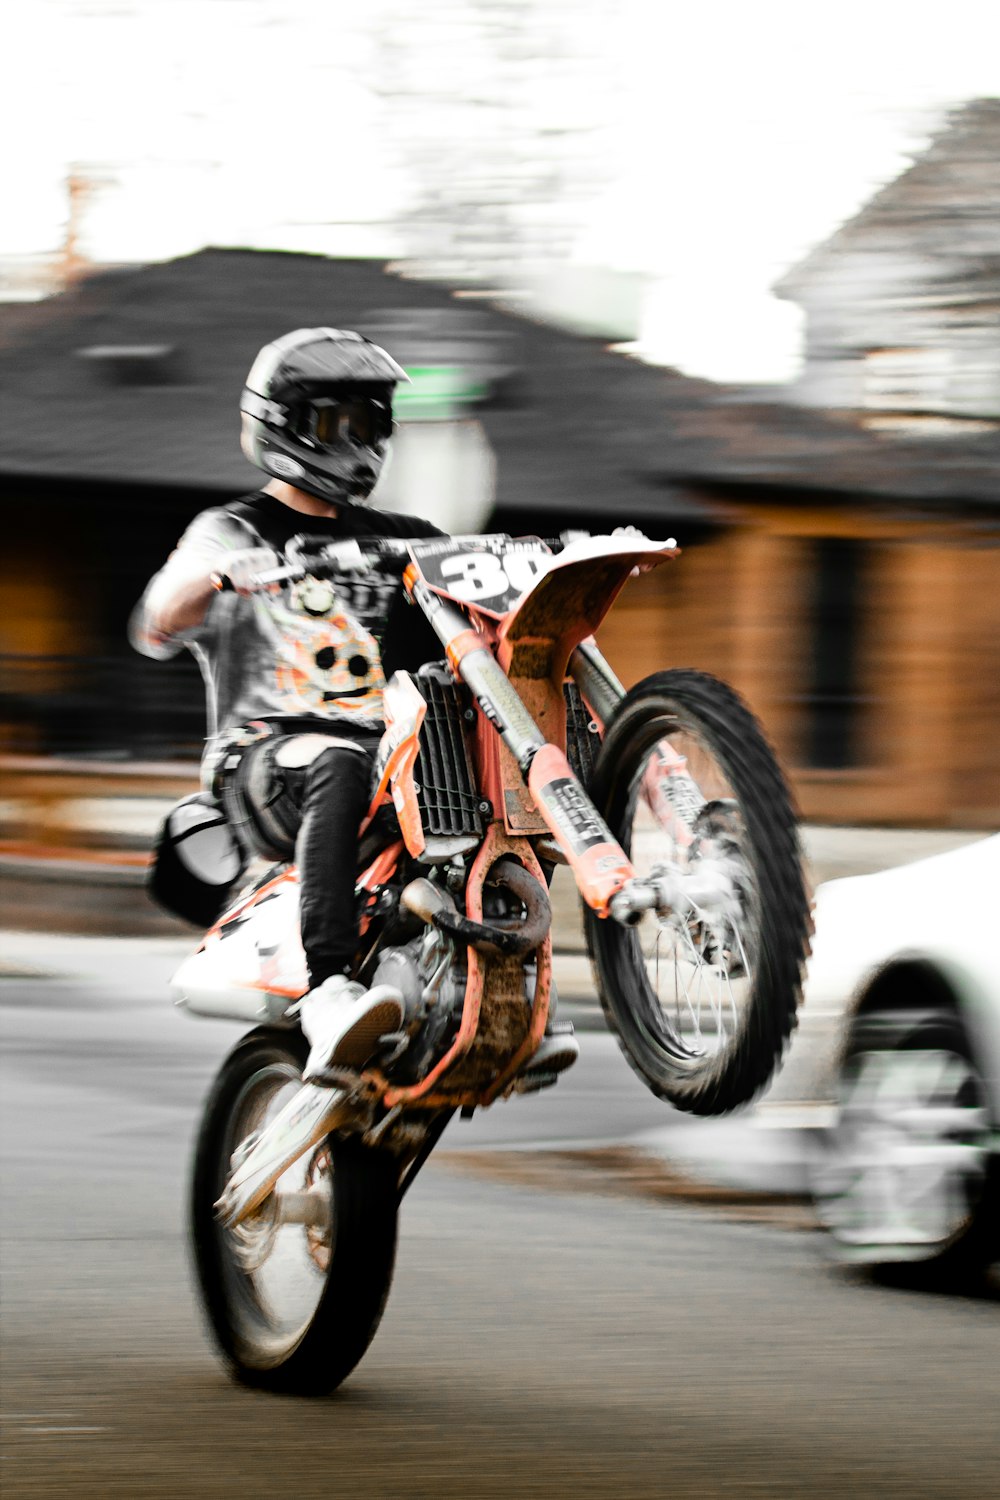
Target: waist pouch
[(196, 861), (257, 803)]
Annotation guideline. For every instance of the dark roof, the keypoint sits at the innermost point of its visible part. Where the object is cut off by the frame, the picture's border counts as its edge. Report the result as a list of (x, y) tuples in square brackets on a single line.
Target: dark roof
[(789, 449), (576, 428), (579, 432)]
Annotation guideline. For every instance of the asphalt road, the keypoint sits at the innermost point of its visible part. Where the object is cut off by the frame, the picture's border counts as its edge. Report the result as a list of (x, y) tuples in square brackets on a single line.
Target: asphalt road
[(562, 1341)]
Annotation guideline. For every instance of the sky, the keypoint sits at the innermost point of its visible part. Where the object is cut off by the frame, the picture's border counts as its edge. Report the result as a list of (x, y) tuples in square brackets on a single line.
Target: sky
[(730, 137)]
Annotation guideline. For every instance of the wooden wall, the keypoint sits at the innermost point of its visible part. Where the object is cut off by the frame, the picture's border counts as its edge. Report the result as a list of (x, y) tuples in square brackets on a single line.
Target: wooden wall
[(929, 667)]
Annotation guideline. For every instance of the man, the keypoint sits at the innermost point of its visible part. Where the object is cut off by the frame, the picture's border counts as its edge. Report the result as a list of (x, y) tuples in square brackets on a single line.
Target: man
[(294, 678)]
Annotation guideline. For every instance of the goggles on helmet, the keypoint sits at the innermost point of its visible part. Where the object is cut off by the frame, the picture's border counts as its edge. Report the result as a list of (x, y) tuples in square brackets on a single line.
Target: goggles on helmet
[(361, 420)]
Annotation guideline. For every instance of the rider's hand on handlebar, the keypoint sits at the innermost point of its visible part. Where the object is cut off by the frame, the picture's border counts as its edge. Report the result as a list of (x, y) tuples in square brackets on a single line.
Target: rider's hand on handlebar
[(242, 569)]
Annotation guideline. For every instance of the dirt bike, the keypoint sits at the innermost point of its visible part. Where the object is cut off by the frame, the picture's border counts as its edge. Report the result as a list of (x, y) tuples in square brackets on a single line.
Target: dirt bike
[(519, 751)]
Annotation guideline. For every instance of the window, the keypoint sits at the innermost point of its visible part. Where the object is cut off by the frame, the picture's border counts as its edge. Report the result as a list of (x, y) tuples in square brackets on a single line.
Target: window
[(833, 698)]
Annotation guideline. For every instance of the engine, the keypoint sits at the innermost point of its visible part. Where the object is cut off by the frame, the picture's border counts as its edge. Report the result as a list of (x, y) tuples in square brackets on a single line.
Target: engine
[(430, 973)]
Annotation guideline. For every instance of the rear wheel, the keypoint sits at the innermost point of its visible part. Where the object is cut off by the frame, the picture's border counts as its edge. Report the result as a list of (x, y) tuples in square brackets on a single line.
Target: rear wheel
[(905, 1181), (293, 1296), (702, 999)]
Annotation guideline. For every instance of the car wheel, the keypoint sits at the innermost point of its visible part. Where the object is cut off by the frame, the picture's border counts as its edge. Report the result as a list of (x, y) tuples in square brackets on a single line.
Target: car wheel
[(906, 1180)]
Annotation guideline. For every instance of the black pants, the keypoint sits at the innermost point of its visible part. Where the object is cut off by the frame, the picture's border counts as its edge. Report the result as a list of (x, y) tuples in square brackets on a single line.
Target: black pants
[(311, 813)]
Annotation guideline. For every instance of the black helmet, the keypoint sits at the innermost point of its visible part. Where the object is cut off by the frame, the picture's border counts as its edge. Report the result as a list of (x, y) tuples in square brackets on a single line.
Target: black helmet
[(317, 412)]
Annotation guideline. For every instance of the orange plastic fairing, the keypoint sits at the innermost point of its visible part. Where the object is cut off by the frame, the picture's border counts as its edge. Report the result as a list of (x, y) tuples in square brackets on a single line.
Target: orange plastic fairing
[(405, 709)]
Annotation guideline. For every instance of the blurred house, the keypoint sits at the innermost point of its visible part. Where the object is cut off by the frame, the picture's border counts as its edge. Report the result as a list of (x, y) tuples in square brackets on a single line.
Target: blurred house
[(841, 561), (902, 304), (857, 600), (120, 420)]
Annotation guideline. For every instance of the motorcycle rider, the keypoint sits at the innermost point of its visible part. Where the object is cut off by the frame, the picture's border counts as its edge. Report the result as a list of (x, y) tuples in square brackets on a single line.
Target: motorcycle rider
[(294, 679)]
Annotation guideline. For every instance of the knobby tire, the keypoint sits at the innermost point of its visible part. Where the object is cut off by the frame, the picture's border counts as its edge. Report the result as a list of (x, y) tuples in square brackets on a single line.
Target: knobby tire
[(692, 701)]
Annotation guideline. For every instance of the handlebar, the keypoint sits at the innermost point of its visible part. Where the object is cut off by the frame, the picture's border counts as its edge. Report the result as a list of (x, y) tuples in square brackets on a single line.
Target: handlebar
[(317, 557)]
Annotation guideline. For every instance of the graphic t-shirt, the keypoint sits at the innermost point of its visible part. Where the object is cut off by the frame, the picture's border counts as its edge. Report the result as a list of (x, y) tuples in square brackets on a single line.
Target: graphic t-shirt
[(319, 649)]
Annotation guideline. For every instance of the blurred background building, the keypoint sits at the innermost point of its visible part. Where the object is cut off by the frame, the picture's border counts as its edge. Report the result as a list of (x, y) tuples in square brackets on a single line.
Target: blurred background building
[(471, 185)]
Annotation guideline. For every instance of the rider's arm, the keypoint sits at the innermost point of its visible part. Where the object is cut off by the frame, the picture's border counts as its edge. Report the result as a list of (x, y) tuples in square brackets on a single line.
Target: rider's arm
[(178, 598), (179, 595)]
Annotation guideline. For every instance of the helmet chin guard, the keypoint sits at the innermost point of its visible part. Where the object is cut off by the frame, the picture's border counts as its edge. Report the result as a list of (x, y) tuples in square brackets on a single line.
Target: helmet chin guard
[(317, 412)]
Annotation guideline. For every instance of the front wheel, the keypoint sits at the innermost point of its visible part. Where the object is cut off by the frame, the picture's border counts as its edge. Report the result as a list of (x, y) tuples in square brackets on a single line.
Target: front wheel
[(702, 999), (293, 1296)]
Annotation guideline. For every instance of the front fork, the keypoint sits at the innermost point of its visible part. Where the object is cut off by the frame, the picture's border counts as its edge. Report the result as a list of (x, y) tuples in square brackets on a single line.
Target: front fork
[(674, 799), (604, 873)]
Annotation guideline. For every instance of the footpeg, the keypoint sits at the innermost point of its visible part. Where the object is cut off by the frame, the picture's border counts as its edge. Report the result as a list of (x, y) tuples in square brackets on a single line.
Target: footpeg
[(530, 1083)]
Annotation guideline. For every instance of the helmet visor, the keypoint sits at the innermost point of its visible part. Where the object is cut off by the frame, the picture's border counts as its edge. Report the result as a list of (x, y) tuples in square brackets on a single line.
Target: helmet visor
[(360, 420)]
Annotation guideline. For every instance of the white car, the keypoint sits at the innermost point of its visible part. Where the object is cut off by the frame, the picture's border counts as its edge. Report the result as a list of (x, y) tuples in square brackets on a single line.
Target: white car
[(909, 1170)]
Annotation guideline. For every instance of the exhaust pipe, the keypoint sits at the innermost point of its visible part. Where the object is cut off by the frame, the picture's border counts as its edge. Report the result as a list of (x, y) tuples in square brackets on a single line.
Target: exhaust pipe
[(436, 907)]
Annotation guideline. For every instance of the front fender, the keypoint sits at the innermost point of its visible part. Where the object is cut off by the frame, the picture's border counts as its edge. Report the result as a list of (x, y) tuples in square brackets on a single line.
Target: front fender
[(578, 587)]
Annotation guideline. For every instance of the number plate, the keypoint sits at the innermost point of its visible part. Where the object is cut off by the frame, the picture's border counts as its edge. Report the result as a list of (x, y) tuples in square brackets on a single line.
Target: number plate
[(489, 572)]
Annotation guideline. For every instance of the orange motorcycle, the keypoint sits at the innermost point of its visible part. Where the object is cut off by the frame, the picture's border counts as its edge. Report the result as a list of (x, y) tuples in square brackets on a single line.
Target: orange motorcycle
[(518, 752)]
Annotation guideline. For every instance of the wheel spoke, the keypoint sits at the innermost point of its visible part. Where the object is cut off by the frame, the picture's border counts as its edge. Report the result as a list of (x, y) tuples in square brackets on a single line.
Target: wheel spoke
[(690, 787), (275, 1248), (293, 1293), (701, 972)]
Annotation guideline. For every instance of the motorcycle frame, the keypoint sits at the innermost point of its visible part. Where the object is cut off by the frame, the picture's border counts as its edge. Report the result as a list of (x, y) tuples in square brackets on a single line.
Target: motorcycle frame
[(516, 663)]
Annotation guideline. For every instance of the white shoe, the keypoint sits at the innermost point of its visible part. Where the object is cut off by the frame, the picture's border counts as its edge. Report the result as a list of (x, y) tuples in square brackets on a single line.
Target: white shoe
[(343, 1022)]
